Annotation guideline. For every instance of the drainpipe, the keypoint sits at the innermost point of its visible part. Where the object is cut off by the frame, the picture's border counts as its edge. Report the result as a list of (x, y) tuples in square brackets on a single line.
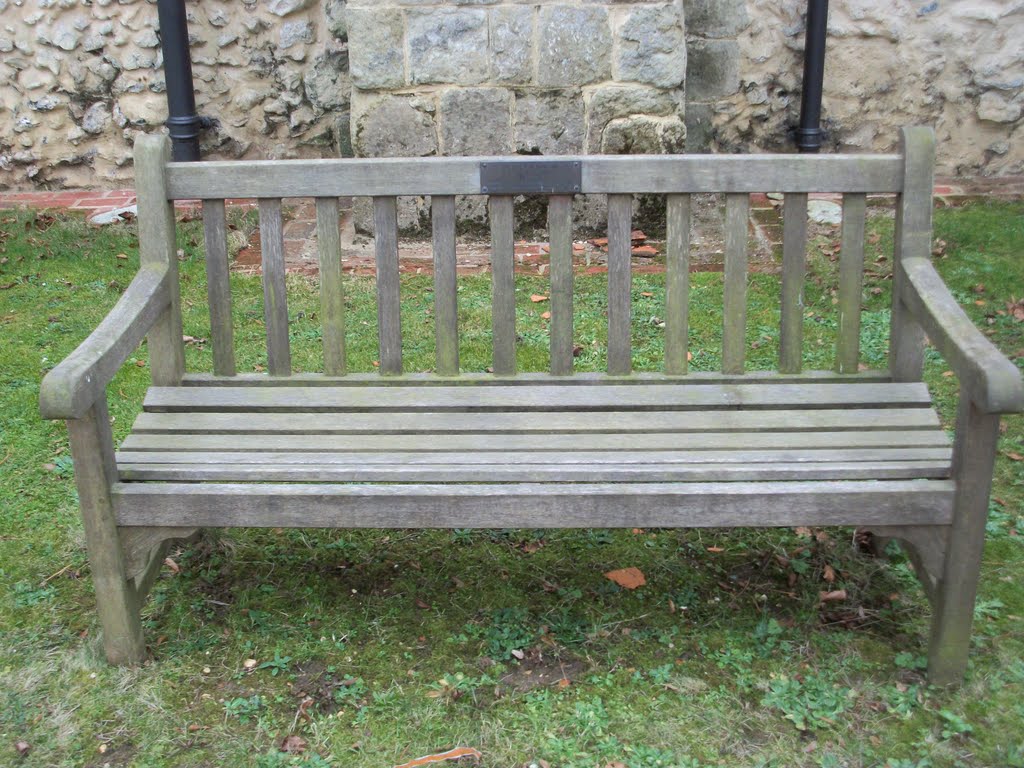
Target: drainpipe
[(183, 123), (809, 134)]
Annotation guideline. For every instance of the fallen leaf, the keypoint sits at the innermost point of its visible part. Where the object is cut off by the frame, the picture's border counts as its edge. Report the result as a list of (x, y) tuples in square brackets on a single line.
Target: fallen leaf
[(545, 316), (716, 549), (832, 596), (537, 298), (646, 294), (22, 747), (175, 568), (627, 578), (8, 286), (422, 604), (518, 654), (689, 357), (803, 532), (1014, 456), (249, 664), (565, 682), (122, 256), (828, 573), (293, 745)]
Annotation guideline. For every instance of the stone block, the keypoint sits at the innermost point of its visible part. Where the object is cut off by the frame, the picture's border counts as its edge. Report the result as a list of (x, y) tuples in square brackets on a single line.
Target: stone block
[(295, 32), (997, 109), (652, 48), (376, 45), (448, 45), (392, 126), (285, 7), (327, 83), (334, 12), (575, 45), (608, 103), (511, 38), (549, 123), (712, 69), (716, 18), (644, 135), (700, 129), (476, 121)]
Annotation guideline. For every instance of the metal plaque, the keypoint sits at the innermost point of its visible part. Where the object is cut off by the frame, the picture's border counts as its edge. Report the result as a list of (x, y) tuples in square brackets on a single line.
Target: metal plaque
[(530, 177)]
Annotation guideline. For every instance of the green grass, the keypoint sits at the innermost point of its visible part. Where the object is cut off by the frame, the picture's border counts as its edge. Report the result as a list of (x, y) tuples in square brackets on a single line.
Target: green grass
[(404, 640)]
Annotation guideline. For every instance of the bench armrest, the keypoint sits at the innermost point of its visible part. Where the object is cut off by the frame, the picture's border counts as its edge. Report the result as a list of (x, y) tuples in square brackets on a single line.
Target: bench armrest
[(992, 382), (70, 389)]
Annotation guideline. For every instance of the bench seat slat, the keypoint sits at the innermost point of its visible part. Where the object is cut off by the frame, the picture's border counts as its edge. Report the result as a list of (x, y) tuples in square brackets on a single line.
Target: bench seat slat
[(535, 505), (532, 473), (541, 397), (539, 443), (860, 419)]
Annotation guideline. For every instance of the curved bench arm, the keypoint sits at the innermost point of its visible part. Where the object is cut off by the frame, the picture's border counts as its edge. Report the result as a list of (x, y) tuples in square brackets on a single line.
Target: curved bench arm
[(70, 389), (992, 382)]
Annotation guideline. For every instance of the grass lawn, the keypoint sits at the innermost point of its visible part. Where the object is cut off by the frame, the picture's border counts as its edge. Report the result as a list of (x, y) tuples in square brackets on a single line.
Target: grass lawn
[(374, 647)]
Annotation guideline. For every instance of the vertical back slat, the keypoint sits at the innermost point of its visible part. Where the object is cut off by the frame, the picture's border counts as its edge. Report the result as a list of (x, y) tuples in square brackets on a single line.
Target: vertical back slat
[(794, 258), (620, 222), (913, 237), (503, 298), (734, 304), (275, 296), (158, 247), (446, 317), (218, 288), (332, 292), (851, 282), (677, 283), (560, 235), (389, 320)]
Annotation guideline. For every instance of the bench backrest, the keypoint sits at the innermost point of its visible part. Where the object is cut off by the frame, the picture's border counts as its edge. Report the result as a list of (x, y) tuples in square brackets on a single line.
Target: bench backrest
[(908, 174)]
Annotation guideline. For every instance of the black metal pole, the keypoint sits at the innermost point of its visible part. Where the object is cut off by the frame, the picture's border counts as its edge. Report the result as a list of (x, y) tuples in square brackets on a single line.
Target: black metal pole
[(809, 134), (183, 123)]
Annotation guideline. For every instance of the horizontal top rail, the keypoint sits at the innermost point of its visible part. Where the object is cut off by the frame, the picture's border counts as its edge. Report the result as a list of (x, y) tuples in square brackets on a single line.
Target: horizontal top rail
[(620, 174)]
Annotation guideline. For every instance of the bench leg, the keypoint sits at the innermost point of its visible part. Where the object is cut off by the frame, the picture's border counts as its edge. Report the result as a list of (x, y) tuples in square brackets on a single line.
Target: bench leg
[(92, 450), (973, 462)]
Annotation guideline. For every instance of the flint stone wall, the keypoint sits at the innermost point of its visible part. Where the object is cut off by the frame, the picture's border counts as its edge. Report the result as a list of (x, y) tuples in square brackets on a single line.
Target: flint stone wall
[(79, 79)]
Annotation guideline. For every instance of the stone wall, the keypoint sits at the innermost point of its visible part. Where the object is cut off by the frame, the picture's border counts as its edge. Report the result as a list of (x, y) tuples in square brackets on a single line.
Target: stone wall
[(954, 64), (80, 78)]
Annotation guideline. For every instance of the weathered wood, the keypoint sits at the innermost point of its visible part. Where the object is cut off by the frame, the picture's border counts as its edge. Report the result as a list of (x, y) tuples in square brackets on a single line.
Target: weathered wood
[(794, 259), (734, 300), (532, 505), (95, 471), (332, 291), (582, 379), (275, 294), (368, 472), (540, 397), (990, 380), (560, 235), (446, 310), (925, 545), (974, 453), (913, 239), (137, 544), (620, 285), (389, 308), (851, 282), (158, 249), (503, 289), (541, 443), (677, 283), (388, 177), (832, 419), (218, 288), (71, 388)]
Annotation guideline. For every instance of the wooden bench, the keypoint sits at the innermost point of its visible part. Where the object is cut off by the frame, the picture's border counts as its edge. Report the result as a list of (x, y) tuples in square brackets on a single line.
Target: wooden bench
[(735, 448)]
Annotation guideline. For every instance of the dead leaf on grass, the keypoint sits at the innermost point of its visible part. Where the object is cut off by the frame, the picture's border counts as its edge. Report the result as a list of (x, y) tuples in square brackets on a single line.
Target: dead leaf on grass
[(293, 745), (627, 578), (537, 298), (834, 595)]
